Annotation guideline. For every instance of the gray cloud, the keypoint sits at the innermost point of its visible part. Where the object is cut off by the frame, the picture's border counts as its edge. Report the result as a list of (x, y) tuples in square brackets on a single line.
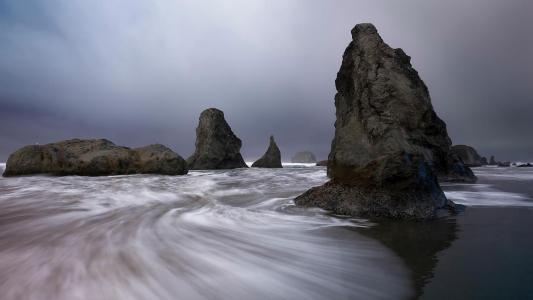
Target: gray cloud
[(140, 72)]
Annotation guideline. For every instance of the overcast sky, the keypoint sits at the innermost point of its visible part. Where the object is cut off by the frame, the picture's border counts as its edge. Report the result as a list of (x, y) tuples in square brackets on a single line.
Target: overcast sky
[(139, 72)]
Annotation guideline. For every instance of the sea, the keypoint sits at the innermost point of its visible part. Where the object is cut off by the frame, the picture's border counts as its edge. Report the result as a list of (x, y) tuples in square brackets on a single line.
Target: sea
[(236, 234)]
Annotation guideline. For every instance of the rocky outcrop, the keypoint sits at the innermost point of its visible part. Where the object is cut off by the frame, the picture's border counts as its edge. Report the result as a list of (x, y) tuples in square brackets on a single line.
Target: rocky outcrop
[(93, 158), (158, 159), (322, 163), (388, 143), (304, 157), (217, 147), (492, 161), (468, 155), (271, 158), (484, 161)]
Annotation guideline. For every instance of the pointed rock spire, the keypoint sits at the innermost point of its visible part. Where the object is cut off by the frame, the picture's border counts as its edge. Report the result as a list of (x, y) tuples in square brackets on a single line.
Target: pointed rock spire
[(271, 158)]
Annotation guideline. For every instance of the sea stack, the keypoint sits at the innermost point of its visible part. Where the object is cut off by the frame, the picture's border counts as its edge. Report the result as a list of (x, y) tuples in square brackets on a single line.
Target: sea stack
[(271, 158), (97, 157), (468, 155), (217, 147), (389, 143), (304, 157)]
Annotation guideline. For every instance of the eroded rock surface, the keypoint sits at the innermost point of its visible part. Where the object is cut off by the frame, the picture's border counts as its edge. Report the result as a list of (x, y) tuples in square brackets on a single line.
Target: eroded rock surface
[(389, 144), (217, 147), (94, 157)]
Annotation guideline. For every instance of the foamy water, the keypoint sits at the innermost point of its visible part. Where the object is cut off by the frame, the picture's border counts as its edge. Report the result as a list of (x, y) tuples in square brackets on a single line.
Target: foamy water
[(489, 192), (206, 235)]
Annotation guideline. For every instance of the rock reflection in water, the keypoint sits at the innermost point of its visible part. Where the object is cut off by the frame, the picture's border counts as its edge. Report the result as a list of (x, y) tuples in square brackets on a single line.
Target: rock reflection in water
[(418, 243)]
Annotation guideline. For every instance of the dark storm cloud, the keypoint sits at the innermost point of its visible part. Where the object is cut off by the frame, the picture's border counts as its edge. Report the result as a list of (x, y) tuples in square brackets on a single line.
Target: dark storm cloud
[(140, 72)]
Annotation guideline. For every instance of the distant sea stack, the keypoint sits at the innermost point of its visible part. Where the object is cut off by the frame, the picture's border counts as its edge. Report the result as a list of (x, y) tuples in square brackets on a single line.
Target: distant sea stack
[(468, 155), (271, 158), (96, 157), (217, 147), (388, 140), (304, 157)]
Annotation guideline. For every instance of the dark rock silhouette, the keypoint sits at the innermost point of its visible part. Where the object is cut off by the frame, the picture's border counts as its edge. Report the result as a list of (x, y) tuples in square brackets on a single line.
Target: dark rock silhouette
[(388, 140), (526, 165), (322, 163), (217, 147), (93, 158), (504, 164), (304, 157), (271, 158), (468, 155), (455, 170), (492, 161), (484, 161)]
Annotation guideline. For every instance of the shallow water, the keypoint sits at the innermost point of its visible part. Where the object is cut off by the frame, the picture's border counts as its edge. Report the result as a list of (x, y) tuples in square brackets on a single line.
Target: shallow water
[(207, 235), (229, 234)]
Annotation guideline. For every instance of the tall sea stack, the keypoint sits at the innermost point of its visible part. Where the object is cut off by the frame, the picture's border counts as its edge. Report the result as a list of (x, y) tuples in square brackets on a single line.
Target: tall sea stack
[(217, 147), (389, 144)]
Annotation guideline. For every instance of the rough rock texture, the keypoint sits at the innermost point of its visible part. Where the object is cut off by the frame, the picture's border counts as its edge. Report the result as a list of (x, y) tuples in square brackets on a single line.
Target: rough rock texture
[(322, 163), (304, 157), (158, 159), (388, 143), (271, 158), (468, 155), (399, 186), (217, 147), (93, 158)]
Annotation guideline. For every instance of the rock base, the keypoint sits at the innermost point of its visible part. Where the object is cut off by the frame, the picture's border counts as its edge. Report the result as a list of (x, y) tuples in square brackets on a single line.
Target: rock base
[(356, 201)]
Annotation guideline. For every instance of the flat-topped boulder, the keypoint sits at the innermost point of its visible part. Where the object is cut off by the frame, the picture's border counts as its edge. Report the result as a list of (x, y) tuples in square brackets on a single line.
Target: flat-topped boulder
[(94, 157), (217, 147), (304, 157), (389, 143), (468, 155), (271, 158)]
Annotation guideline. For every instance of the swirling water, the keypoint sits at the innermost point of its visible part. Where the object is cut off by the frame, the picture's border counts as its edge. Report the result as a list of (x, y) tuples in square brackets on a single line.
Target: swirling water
[(207, 235), (237, 234)]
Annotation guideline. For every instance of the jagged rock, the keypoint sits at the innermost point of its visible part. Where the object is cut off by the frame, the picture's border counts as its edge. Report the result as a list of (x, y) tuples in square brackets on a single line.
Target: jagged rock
[(217, 147), (388, 140), (304, 157), (468, 155), (484, 161), (93, 158), (322, 163), (492, 161), (271, 158)]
